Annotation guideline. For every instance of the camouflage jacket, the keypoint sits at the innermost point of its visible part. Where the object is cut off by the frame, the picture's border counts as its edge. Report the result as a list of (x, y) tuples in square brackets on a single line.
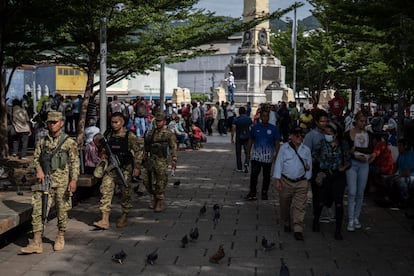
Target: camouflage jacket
[(163, 136), (70, 171)]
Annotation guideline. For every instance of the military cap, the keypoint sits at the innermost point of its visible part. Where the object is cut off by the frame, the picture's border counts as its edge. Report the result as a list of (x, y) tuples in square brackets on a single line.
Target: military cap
[(54, 116), (160, 116)]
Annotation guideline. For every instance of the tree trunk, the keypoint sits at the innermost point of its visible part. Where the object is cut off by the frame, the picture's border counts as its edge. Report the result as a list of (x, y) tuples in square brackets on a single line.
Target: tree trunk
[(4, 141), (80, 137)]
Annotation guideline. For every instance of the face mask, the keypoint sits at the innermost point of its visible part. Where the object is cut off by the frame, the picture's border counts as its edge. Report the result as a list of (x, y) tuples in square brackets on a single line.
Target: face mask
[(329, 138)]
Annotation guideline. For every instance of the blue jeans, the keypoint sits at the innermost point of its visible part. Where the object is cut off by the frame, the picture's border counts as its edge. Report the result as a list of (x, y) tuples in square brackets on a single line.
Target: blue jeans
[(406, 186), (128, 125), (181, 138), (140, 126), (20, 141), (230, 96), (356, 178), (239, 145)]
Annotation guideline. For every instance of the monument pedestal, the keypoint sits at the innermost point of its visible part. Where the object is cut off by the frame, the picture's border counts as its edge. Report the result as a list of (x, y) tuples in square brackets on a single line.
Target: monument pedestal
[(255, 68), (254, 75)]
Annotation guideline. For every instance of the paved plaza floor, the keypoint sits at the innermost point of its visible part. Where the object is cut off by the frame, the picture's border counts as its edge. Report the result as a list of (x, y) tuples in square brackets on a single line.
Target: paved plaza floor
[(384, 246)]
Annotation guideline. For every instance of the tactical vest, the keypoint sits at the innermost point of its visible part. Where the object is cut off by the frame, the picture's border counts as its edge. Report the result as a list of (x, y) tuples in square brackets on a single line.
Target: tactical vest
[(119, 147), (54, 159), (158, 148)]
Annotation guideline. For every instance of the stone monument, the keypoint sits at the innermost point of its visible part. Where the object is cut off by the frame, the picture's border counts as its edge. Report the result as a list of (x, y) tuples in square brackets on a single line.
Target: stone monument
[(259, 75)]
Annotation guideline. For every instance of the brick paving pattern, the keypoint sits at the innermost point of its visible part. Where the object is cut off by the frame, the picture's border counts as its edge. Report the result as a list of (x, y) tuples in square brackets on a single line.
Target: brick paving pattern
[(385, 245)]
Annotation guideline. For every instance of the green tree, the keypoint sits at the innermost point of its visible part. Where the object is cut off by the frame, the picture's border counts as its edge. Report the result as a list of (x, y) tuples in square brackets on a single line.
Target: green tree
[(382, 33), (138, 34), (22, 40)]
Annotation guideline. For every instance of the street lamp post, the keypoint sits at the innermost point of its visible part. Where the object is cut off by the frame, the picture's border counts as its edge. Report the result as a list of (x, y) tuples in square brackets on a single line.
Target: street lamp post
[(103, 101)]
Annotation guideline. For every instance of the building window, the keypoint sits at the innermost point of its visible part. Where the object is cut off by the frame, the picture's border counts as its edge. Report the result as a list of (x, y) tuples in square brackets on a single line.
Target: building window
[(68, 72)]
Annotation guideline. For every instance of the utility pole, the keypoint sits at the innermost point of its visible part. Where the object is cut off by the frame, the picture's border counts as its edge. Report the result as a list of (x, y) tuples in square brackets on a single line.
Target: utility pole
[(34, 94), (162, 83), (102, 84), (294, 35)]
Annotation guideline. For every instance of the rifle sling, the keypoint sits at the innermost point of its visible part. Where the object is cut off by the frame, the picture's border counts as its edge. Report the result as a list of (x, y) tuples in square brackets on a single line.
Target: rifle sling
[(62, 140), (151, 140)]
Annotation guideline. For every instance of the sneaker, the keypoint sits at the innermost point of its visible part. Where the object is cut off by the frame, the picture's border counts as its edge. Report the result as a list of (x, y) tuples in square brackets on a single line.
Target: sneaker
[(350, 227), (250, 197), (325, 220), (357, 224), (237, 170)]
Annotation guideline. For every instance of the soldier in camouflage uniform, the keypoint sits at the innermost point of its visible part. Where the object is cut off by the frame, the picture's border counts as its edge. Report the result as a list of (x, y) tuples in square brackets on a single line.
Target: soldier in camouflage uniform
[(159, 143), (62, 170), (128, 148)]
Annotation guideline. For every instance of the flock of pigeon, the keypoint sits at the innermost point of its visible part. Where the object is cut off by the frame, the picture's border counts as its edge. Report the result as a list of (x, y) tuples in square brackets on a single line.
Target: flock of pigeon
[(193, 235)]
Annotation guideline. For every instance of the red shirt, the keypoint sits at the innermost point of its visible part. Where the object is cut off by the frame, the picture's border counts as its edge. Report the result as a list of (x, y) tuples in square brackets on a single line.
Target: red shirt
[(185, 111), (197, 133), (384, 157), (337, 106)]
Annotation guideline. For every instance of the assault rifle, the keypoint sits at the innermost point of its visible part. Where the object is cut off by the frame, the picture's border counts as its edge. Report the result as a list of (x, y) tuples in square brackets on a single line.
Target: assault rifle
[(113, 160), (44, 189), (45, 199)]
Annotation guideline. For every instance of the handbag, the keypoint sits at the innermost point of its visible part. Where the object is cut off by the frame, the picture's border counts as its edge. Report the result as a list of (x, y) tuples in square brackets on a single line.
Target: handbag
[(320, 177)]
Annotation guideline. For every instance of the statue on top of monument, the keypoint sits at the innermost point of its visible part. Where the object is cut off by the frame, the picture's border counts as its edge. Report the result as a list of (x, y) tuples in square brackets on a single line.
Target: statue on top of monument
[(230, 86)]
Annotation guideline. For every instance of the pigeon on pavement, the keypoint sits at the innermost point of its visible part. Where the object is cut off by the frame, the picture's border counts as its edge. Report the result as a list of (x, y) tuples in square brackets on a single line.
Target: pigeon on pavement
[(216, 216), (203, 210), (119, 257), (267, 245), (194, 234), (184, 241), (152, 257), (284, 270), (216, 257)]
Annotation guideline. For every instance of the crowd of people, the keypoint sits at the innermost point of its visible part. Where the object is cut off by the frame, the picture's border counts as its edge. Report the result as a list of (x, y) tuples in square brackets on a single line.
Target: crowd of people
[(330, 151)]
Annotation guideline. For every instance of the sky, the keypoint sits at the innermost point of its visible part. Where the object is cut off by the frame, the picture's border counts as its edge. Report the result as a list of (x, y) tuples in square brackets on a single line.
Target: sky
[(234, 8)]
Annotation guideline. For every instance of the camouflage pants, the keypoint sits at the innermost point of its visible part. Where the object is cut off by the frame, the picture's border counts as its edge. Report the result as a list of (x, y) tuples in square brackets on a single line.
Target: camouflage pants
[(61, 198), (159, 177), (108, 187)]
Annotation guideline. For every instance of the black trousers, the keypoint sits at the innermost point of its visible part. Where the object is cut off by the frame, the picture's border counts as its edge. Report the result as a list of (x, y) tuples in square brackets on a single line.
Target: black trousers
[(256, 167), (332, 191)]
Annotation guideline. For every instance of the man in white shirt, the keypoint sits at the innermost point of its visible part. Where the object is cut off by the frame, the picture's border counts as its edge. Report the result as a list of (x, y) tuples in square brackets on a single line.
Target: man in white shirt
[(292, 172)]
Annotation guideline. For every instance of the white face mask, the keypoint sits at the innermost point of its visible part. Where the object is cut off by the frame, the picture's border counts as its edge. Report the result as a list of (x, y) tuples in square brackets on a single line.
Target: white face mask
[(329, 138)]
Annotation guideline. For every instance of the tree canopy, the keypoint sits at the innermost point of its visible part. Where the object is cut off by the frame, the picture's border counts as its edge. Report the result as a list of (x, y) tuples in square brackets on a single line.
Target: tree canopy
[(138, 34), (370, 40)]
